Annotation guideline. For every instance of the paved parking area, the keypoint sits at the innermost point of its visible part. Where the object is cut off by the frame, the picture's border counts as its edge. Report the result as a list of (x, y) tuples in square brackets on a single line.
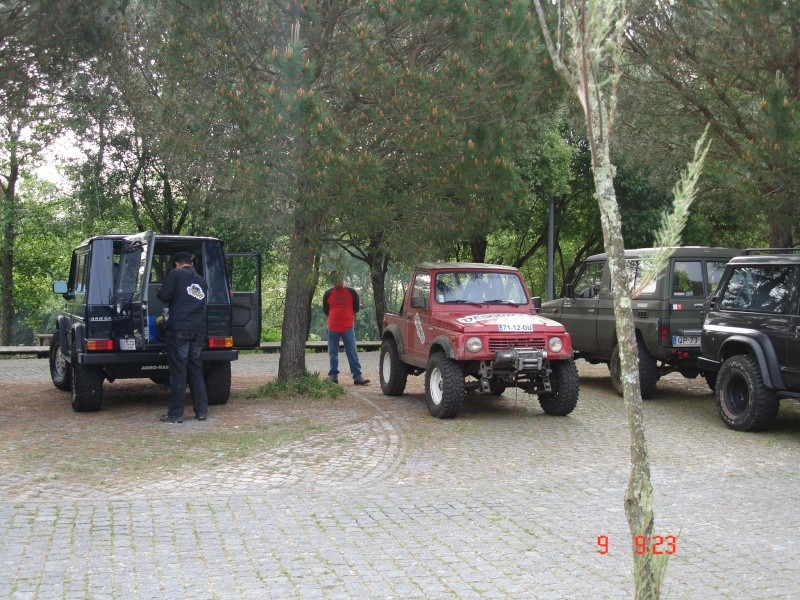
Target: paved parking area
[(376, 499)]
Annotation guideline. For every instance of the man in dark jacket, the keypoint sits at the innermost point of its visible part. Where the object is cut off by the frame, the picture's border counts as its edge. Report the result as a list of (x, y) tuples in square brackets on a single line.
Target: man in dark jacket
[(184, 290)]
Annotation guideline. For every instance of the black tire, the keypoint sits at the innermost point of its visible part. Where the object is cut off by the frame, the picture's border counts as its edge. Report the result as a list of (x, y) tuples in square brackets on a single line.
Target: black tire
[(217, 376), (394, 372), (566, 387), (444, 386), (743, 401), (60, 371), (711, 379), (496, 388), (87, 386), (648, 370)]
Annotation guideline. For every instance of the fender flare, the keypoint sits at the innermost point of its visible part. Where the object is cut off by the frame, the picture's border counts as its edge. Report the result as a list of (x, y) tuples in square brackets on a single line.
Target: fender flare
[(445, 344), (394, 332), (761, 348)]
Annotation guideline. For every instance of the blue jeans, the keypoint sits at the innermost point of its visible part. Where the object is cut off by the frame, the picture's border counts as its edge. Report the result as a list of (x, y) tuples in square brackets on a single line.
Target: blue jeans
[(183, 356), (349, 339)]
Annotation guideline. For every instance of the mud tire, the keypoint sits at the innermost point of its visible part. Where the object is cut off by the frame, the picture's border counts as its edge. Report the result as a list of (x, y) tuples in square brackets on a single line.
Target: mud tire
[(444, 386), (566, 388), (217, 377), (648, 370), (87, 386), (60, 371), (743, 401), (394, 372)]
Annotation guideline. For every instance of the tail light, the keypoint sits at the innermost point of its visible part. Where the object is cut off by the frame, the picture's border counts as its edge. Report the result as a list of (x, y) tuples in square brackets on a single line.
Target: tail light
[(99, 345), (220, 342), (663, 332)]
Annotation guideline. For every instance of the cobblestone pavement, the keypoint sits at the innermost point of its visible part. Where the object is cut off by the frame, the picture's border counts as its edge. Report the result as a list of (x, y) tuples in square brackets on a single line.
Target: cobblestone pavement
[(376, 499)]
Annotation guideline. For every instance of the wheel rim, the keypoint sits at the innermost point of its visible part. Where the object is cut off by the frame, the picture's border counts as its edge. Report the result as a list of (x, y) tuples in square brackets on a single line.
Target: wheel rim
[(436, 385), (386, 368), (737, 396), (59, 363)]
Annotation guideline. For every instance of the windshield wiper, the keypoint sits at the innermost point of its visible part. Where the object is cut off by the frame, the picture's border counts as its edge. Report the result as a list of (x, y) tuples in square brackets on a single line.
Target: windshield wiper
[(498, 301)]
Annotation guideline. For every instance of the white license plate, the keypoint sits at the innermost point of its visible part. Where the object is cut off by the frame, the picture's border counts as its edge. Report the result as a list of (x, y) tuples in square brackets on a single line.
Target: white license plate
[(515, 327), (127, 344), (682, 341)]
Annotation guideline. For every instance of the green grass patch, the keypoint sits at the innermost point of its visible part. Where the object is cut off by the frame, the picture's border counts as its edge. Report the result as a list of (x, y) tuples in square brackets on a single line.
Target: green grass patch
[(308, 385)]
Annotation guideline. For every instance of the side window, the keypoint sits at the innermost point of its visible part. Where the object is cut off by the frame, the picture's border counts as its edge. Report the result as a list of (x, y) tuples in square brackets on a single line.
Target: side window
[(687, 278), (635, 267), (421, 295), (758, 289), (80, 273), (588, 283), (714, 271)]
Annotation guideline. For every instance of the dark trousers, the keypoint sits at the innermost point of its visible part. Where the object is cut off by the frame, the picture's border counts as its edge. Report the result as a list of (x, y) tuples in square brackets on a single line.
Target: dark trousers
[(183, 355)]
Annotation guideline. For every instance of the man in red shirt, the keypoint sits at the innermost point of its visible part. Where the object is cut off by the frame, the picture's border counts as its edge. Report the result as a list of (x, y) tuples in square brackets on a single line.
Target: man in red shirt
[(341, 304)]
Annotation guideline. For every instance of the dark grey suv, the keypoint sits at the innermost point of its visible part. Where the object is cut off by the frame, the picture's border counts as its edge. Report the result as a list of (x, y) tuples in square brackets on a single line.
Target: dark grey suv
[(751, 337), (109, 327)]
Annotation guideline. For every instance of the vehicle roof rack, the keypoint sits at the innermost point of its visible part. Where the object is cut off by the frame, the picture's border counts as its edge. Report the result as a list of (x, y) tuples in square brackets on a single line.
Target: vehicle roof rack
[(753, 251)]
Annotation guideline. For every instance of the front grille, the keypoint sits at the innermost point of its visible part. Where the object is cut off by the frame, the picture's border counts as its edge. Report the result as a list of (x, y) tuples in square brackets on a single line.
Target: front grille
[(504, 343)]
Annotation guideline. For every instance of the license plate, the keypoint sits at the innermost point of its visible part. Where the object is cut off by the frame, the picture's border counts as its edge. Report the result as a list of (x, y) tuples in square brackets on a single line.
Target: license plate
[(515, 327), (127, 344), (682, 341)]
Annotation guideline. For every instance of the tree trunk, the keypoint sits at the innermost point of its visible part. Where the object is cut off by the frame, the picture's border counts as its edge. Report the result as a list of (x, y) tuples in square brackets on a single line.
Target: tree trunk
[(9, 234), (639, 496), (478, 247), (378, 264), (299, 286), (780, 230)]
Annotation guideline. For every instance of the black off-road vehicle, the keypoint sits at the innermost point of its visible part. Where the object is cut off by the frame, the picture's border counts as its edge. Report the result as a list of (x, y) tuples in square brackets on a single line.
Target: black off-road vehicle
[(751, 337), (667, 315), (110, 326)]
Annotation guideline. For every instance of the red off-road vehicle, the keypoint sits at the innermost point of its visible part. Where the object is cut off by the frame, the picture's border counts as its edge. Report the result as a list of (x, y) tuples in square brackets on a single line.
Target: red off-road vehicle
[(471, 326)]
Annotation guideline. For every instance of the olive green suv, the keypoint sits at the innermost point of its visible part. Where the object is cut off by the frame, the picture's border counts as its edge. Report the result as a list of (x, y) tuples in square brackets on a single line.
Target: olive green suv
[(667, 314)]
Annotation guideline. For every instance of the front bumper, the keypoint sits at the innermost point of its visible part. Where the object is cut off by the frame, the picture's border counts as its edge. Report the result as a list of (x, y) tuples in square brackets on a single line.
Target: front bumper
[(526, 368)]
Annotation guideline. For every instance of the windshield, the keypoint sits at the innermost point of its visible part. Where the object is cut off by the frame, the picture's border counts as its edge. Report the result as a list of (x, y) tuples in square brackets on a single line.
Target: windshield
[(478, 287)]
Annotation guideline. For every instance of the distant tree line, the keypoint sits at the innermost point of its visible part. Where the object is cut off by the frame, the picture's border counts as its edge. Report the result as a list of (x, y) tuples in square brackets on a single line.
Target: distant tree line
[(374, 133)]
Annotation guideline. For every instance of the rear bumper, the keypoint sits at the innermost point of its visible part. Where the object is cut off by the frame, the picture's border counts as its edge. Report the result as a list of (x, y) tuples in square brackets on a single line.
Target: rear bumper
[(148, 358)]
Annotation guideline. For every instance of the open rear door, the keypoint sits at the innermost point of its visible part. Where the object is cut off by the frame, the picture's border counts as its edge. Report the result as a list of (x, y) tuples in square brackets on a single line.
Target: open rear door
[(244, 275), (130, 289), (134, 268)]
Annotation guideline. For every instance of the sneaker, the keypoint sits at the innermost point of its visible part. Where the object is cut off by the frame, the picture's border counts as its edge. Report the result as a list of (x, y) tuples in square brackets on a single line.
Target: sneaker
[(200, 418), (333, 379), (361, 381), (168, 419)]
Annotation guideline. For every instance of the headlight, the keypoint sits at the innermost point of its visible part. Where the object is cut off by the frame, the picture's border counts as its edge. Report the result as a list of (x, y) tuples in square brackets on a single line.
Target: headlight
[(555, 344), (474, 345)]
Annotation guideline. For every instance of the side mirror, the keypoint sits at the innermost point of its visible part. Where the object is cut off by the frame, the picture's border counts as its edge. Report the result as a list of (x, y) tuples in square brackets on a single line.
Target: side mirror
[(570, 290), (537, 303), (417, 302), (61, 287)]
